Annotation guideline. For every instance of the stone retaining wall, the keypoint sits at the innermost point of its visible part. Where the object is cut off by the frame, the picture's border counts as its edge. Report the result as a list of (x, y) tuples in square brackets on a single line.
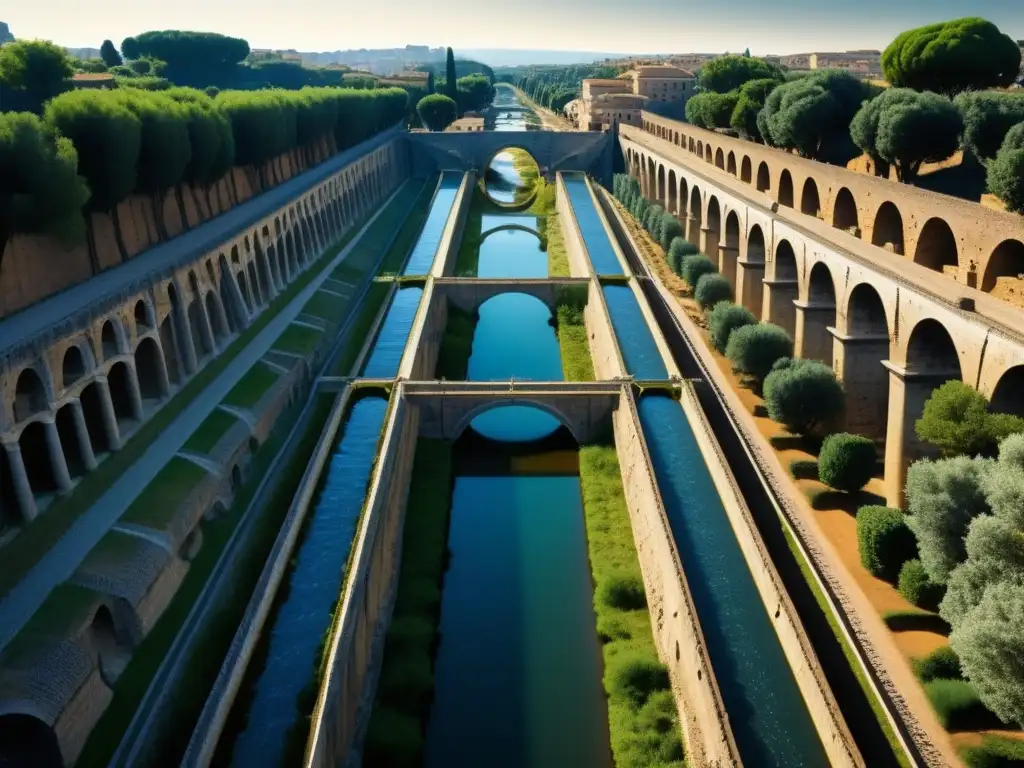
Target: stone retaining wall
[(576, 251), (451, 237), (604, 348)]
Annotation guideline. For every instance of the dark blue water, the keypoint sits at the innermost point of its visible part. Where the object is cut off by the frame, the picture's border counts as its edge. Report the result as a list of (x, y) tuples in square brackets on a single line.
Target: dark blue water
[(639, 351), (595, 237), (511, 253), (422, 257), (387, 351), (514, 338), (312, 587), (769, 718)]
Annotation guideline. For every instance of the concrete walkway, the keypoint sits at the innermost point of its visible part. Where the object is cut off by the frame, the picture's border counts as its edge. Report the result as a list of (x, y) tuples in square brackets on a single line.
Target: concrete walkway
[(63, 558)]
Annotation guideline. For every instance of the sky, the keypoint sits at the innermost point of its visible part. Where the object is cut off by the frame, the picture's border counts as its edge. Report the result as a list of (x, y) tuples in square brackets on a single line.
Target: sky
[(632, 26)]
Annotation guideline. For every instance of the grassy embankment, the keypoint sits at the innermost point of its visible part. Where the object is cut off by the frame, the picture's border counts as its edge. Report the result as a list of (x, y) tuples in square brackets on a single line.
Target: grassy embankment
[(577, 364)]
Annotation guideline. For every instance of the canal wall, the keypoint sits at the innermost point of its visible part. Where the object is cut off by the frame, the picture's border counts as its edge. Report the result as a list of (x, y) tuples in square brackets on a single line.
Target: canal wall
[(419, 360), (677, 631), (835, 736), (576, 250), (356, 643), (211, 721), (595, 196), (604, 348), (451, 237)]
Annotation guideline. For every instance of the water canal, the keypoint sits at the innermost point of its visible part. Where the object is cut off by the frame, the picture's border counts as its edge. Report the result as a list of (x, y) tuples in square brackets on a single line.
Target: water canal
[(510, 253), (422, 257), (272, 705), (769, 717), (387, 351), (639, 350), (518, 670), (595, 236)]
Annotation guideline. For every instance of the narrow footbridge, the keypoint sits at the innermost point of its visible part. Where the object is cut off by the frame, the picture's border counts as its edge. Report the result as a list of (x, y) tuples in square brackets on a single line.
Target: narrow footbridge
[(468, 295)]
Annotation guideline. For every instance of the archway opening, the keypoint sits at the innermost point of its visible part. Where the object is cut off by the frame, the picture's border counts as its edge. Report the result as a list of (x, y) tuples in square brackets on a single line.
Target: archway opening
[(786, 189), (700, 149), (513, 423), (709, 156), (109, 341), (730, 164), (92, 408), (511, 249), (694, 220), (931, 350), (511, 176), (10, 509), (750, 288), (1005, 267), (785, 261), (67, 431), (36, 456), (174, 373), (865, 378), (745, 170), (720, 158), (1008, 395), (810, 203), (147, 366), (714, 229), (764, 180), (684, 196), (73, 367), (672, 189), (112, 652), (29, 395), (254, 284), (28, 742), (844, 213), (887, 231), (514, 339), (120, 392), (142, 318), (195, 319), (817, 342), (936, 247), (661, 186), (217, 320), (782, 290)]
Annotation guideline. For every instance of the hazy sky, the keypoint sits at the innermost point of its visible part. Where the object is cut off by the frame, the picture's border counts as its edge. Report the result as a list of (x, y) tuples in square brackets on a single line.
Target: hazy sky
[(643, 26)]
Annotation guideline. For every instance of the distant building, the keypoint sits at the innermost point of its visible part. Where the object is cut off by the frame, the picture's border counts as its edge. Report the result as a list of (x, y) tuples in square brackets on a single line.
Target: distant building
[(100, 80), (668, 85), (866, 63), (605, 102), (466, 125)]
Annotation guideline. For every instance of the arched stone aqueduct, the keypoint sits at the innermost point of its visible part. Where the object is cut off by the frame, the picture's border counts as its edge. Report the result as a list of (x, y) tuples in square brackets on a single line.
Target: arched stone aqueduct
[(892, 329), (86, 382)]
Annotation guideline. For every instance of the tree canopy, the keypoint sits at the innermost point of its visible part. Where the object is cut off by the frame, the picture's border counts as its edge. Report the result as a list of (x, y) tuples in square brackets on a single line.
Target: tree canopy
[(711, 110), (952, 56), (186, 49), (988, 116), (906, 128), (437, 111), (812, 114), (110, 54), (727, 73), (475, 92), (752, 96), (1006, 171), (38, 69), (40, 189), (450, 76)]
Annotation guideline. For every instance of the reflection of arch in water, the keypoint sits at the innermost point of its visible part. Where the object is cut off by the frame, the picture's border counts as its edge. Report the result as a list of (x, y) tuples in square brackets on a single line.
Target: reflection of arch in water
[(514, 337), (488, 180), (509, 228), (515, 420)]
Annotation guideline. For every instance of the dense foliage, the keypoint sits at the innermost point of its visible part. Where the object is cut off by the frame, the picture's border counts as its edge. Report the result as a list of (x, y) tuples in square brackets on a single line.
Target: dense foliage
[(884, 541), (988, 116), (1006, 171), (754, 349), (846, 462), (724, 318), (695, 266), (474, 92), (712, 289), (957, 420), (905, 128), (749, 103), (110, 54), (554, 87), (670, 230), (33, 71), (193, 58), (728, 73), (712, 110), (803, 395), (918, 589), (952, 56), (437, 111), (450, 76), (678, 251)]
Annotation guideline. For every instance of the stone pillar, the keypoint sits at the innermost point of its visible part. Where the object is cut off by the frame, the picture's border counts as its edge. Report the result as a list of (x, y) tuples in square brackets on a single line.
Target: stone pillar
[(692, 229), (163, 380), (185, 341), (728, 256), (908, 391), (207, 328), (749, 277), (812, 340), (235, 293), (708, 241), (57, 461), (857, 361), (22, 487), (109, 415), (82, 432), (135, 394), (777, 303)]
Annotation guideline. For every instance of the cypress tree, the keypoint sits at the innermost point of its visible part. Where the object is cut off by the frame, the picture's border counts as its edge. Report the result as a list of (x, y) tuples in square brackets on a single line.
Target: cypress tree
[(451, 87)]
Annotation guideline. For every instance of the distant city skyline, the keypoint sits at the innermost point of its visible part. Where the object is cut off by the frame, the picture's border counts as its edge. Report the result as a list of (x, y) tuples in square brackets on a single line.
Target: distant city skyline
[(638, 28)]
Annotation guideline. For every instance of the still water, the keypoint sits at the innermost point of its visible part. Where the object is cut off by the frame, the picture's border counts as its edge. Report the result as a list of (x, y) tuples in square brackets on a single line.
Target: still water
[(387, 350), (595, 236), (509, 253), (518, 671), (639, 351), (422, 256)]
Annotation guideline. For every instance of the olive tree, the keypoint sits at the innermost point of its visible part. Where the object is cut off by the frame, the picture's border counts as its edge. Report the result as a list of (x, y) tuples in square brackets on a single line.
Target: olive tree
[(906, 128), (437, 111), (1006, 171), (956, 419), (952, 56), (40, 189)]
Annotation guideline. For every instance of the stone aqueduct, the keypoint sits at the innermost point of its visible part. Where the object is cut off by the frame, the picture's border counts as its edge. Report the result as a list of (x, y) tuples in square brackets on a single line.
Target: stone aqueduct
[(892, 327), (77, 379)]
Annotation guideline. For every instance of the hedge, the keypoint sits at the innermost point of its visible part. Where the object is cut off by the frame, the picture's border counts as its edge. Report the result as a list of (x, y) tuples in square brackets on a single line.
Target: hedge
[(803, 395), (884, 540), (917, 588), (754, 349), (846, 462), (712, 289), (694, 267), (724, 318)]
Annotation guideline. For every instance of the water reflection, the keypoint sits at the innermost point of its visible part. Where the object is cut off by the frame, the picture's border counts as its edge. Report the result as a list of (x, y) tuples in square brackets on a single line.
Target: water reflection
[(503, 180), (509, 253)]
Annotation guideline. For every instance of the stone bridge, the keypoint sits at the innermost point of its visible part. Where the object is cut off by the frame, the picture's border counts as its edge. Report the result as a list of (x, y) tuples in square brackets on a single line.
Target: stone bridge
[(892, 327), (447, 408), (554, 151), (468, 295)]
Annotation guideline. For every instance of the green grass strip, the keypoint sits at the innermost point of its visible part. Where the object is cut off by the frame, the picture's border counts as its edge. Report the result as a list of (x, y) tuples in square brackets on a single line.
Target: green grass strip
[(38, 538), (577, 364), (456, 345), (209, 433), (328, 307), (995, 752), (298, 340), (848, 652), (558, 257), (397, 726), (252, 386), (204, 665), (642, 717), (161, 500)]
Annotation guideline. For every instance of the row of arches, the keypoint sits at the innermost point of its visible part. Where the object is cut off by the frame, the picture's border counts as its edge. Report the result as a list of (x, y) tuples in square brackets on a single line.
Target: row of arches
[(935, 247), (63, 418)]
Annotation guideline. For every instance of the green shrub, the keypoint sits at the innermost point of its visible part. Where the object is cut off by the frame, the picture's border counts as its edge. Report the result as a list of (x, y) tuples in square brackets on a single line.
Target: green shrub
[(942, 663), (803, 395), (394, 739), (803, 469), (670, 230), (711, 289), (635, 676), (612, 628), (622, 591), (652, 221), (724, 318), (995, 752), (957, 420), (884, 540), (846, 462), (917, 588), (956, 703), (678, 250), (754, 349), (694, 267)]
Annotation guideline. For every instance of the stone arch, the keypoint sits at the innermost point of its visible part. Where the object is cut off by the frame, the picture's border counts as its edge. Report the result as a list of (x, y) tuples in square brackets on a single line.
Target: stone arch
[(692, 146), (813, 339), (746, 173), (150, 370), (810, 202), (204, 344), (930, 349), (661, 185), (210, 273), (720, 158), (683, 198), (92, 409), (859, 357), (865, 312), (730, 163), (145, 320), (110, 647), (714, 228), (67, 432), (74, 366), (844, 212), (1007, 260), (764, 179), (887, 231), (694, 220), (782, 290), (786, 188), (27, 741), (218, 321), (650, 179), (749, 285), (491, 405), (119, 380), (36, 456), (112, 339), (1008, 394), (254, 283), (672, 188), (700, 149), (243, 286), (30, 395), (936, 247), (167, 340)]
